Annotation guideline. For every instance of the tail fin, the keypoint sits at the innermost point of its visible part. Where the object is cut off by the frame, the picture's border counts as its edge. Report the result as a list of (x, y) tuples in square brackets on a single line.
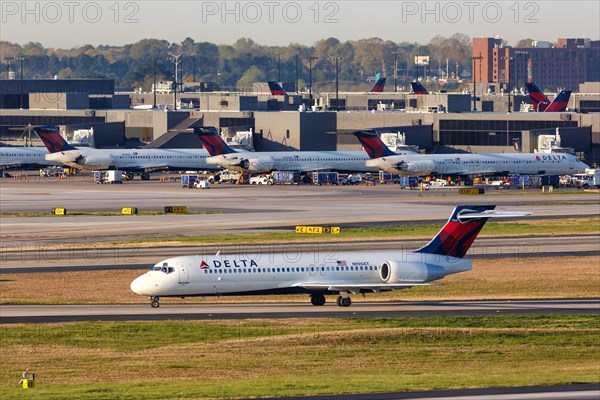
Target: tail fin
[(379, 85), (537, 96), (559, 103), (418, 88), (459, 233), (276, 90), (52, 139), (373, 144), (212, 141)]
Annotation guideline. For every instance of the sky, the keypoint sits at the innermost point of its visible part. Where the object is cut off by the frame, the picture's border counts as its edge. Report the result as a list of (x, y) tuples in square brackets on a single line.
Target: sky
[(72, 23)]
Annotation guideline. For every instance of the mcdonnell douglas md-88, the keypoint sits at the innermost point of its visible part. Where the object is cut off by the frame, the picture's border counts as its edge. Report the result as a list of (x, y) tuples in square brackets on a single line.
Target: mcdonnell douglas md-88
[(266, 161), (141, 161), (318, 274), (19, 157), (467, 165)]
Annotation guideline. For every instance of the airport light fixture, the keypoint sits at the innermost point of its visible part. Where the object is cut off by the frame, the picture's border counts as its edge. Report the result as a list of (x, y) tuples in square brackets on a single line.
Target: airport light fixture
[(278, 53), (154, 59), (507, 77), (310, 63), (395, 71), (295, 54), (176, 58), (337, 73), (475, 80), (517, 54), (21, 59)]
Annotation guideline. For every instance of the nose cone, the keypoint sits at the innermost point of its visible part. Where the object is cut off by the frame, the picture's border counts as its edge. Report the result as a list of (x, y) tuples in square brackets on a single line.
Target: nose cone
[(140, 286)]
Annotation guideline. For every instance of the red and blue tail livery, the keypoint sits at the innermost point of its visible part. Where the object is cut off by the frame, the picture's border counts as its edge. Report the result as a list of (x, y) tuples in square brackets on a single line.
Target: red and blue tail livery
[(539, 100), (52, 139), (418, 88), (560, 102), (373, 144), (212, 141), (459, 233), (379, 86), (276, 89)]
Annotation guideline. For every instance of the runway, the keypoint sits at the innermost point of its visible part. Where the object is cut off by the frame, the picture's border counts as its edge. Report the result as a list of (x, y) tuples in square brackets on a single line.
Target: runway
[(143, 312), (560, 392)]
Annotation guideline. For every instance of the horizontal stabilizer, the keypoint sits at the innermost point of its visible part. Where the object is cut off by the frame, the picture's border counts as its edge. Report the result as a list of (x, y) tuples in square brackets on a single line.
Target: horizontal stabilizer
[(492, 214)]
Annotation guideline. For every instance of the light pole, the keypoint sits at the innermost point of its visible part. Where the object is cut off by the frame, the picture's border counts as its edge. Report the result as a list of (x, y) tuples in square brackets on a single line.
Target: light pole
[(21, 59), (278, 66), (296, 56), (475, 81), (337, 72), (310, 62), (517, 54), (176, 58), (154, 87), (507, 76), (395, 71)]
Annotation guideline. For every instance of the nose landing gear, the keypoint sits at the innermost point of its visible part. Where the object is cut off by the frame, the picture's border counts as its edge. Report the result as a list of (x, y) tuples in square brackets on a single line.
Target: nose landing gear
[(155, 302)]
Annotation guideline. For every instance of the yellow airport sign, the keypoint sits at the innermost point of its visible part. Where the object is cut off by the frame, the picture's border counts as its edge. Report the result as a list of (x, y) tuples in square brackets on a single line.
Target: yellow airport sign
[(176, 210), (129, 211), (59, 211), (318, 230)]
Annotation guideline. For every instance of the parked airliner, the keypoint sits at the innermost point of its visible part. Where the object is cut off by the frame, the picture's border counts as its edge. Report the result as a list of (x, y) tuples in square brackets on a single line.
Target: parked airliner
[(265, 161), (467, 165), (320, 274), (21, 157), (141, 161)]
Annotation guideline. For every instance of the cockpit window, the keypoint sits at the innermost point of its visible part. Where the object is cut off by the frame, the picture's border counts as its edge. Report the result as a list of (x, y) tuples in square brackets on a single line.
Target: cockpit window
[(164, 268)]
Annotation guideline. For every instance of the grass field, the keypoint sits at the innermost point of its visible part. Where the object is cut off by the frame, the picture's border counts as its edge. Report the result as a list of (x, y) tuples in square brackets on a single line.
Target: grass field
[(509, 278), (230, 359)]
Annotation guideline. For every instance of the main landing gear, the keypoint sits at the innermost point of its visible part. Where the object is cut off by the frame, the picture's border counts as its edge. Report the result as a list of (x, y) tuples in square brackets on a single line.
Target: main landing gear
[(317, 299), (154, 303), (343, 300)]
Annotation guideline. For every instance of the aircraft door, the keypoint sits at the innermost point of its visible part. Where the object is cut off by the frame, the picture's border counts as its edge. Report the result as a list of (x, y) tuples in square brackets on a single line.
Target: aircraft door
[(184, 272)]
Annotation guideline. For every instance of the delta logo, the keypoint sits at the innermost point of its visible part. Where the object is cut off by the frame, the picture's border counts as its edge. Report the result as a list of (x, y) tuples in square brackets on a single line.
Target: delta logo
[(229, 264)]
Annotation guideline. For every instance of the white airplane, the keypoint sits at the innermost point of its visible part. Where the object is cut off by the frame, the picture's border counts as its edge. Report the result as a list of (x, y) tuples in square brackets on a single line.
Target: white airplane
[(320, 274), (465, 164), (17, 157), (266, 161), (141, 161)]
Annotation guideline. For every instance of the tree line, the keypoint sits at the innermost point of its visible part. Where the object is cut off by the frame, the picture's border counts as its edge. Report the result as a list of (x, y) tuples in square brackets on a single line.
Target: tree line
[(241, 64)]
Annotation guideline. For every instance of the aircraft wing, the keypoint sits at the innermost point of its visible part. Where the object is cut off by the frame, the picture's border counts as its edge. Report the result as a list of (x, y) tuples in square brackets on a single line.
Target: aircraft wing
[(10, 165), (492, 214), (358, 288), (146, 167)]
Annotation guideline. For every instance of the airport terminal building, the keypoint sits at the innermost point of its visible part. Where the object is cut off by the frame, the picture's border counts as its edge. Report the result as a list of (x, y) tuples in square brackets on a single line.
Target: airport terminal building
[(439, 122)]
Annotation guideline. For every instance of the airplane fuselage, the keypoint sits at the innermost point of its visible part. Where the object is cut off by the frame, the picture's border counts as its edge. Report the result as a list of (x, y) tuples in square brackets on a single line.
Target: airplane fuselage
[(294, 273), (479, 164), (24, 156), (300, 161), (133, 159)]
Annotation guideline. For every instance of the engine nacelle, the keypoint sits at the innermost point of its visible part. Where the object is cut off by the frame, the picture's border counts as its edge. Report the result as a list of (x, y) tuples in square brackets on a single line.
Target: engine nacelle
[(94, 161), (417, 272), (425, 167), (259, 164)]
